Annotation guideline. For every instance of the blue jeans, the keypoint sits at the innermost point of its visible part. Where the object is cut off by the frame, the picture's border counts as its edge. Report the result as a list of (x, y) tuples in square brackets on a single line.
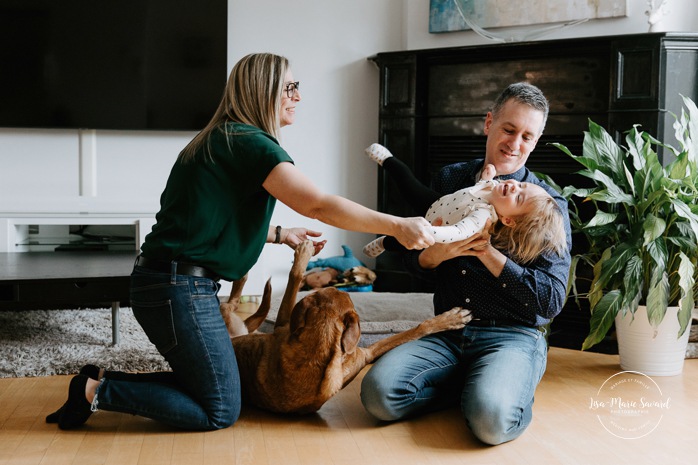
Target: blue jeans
[(492, 371), (180, 315)]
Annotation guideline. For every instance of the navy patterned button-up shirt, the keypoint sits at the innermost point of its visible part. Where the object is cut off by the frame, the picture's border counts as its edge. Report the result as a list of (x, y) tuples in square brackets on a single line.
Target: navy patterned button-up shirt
[(532, 294)]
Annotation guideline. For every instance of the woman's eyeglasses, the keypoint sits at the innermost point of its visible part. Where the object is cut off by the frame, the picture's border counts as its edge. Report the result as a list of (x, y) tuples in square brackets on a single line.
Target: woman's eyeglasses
[(291, 88)]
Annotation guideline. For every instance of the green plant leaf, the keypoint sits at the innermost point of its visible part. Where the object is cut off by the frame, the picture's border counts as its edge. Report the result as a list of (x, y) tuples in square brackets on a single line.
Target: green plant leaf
[(686, 129), (602, 234), (657, 297), (611, 267), (659, 254), (597, 285), (548, 180), (682, 236), (687, 284), (600, 146), (589, 162), (653, 227), (649, 180), (613, 193), (563, 148), (680, 167), (629, 180), (636, 148), (633, 282), (569, 191), (601, 218), (602, 316), (572, 277), (684, 211), (683, 242)]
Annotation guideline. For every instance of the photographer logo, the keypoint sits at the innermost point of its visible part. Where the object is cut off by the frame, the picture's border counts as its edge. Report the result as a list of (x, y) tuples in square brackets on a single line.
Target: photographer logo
[(629, 405)]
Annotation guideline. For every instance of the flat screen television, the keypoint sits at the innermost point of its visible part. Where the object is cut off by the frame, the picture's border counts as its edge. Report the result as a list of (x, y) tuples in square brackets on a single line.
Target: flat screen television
[(111, 64)]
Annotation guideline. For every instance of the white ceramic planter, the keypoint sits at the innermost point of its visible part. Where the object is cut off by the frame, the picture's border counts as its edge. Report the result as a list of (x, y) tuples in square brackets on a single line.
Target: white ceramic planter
[(641, 350)]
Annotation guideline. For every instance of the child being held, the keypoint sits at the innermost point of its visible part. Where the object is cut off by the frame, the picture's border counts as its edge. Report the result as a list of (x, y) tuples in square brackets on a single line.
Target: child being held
[(526, 220)]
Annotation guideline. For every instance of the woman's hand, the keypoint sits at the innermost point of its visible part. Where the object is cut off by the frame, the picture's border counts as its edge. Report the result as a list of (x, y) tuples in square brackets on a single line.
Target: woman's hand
[(292, 237), (414, 233)]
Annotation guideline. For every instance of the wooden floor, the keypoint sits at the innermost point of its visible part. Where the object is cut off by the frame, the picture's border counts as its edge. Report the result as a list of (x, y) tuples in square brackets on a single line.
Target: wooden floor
[(564, 430)]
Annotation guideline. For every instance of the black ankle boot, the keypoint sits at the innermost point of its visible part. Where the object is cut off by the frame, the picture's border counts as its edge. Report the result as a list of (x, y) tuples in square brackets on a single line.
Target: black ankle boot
[(91, 371)]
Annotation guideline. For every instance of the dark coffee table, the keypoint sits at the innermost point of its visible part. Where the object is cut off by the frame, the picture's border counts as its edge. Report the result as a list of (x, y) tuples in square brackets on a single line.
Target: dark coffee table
[(60, 280)]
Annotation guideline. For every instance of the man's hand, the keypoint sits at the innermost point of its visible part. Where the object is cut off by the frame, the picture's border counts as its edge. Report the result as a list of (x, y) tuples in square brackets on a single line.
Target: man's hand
[(476, 245), (484, 237)]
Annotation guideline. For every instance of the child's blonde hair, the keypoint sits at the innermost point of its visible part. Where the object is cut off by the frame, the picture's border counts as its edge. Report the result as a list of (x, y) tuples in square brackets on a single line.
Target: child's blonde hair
[(540, 231)]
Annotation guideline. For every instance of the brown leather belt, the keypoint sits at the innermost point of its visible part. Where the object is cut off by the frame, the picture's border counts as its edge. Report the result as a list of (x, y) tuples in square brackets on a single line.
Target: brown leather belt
[(184, 268)]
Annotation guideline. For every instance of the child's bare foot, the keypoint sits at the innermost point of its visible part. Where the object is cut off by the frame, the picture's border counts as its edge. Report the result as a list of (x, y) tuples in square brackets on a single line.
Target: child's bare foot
[(378, 153)]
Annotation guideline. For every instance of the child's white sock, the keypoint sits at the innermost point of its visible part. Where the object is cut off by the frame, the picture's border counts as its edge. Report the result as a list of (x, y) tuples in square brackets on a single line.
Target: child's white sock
[(378, 153), (374, 248)]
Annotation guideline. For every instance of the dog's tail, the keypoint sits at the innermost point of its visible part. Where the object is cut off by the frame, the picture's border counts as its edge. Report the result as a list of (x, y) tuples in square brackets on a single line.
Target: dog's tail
[(255, 321)]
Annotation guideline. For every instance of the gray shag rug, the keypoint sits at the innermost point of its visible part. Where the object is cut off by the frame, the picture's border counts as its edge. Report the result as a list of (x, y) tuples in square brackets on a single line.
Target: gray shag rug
[(59, 342)]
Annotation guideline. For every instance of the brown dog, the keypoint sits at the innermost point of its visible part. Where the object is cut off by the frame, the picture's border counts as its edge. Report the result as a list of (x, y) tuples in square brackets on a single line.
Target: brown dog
[(313, 351)]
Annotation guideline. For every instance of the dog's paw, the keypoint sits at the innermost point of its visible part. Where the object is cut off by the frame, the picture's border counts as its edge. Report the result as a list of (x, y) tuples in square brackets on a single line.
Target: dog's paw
[(304, 251), (235, 325), (456, 318), (227, 307)]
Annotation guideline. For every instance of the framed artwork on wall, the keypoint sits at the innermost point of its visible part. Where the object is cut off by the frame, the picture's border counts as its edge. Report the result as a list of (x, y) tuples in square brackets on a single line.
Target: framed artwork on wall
[(448, 15)]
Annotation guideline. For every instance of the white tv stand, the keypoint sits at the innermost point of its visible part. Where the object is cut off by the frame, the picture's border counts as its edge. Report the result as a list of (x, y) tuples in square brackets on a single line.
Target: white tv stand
[(16, 233), (30, 227)]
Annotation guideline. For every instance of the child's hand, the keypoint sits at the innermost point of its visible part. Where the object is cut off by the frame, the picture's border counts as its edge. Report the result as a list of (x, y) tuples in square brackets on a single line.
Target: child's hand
[(488, 172)]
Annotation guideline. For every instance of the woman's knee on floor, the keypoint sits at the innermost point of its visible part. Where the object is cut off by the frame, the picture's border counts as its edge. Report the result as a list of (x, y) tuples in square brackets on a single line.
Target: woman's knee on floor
[(226, 416), (222, 402)]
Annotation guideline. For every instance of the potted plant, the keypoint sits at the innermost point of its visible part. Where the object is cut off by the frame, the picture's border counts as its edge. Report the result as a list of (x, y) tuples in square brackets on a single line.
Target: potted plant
[(643, 233)]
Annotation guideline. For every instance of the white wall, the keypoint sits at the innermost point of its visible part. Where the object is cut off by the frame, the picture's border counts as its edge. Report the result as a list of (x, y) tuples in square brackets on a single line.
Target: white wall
[(328, 43)]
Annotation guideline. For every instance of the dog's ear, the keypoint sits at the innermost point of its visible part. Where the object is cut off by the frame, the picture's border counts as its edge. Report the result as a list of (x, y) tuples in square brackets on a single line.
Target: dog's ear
[(352, 332), (298, 316)]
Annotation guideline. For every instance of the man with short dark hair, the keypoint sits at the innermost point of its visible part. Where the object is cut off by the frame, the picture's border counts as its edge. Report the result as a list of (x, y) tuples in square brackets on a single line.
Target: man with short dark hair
[(493, 365)]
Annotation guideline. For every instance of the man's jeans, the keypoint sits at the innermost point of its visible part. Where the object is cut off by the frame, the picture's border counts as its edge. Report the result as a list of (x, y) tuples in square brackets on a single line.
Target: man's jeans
[(180, 315), (494, 372)]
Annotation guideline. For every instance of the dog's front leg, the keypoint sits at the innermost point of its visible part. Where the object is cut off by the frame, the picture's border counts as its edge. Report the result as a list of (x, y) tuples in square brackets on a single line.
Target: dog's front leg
[(455, 318), (303, 253), (228, 309)]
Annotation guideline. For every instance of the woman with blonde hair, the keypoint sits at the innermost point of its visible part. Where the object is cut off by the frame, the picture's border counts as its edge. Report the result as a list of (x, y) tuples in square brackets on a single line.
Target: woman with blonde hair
[(213, 222)]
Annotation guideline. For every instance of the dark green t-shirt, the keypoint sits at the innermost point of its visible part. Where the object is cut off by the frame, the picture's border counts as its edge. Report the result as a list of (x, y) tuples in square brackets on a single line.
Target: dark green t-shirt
[(216, 213)]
